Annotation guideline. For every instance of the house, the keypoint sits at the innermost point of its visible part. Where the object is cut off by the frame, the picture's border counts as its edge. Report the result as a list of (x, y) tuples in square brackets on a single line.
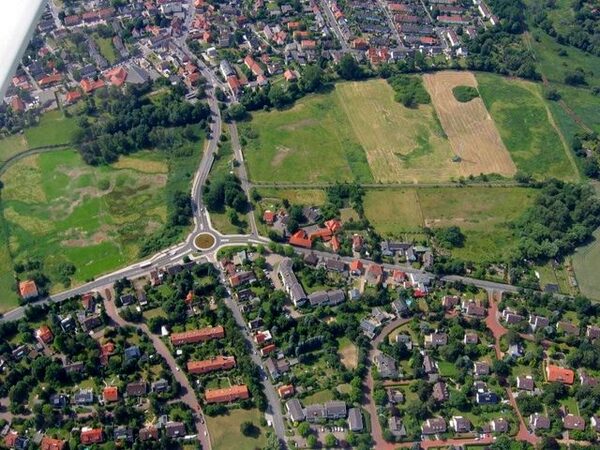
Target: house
[(241, 278), (486, 398), (406, 340), (472, 309), (538, 322), (44, 335), (450, 301), (227, 395), (131, 353), (434, 426), (276, 368), (440, 391), (573, 422), (400, 307), (357, 242), (294, 410), (211, 365), (269, 217), (91, 436), (300, 239), (292, 287), (175, 430), (313, 413), (436, 340), (59, 401), (49, 443), (356, 268), (28, 289), (335, 265), (481, 368), (525, 383), (355, 420), (195, 336), (499, 425), (369, 327), (396, 427), (386, 365), (148, 433), (116, 76), (160, 385), (595, 423), (471, 338), (136, 389), (592, 332), (460, 424), (511, 317), (267, 349), (374, 275), (539, 422), (287, 390), (559, 374), (429, 365), (84, 397), (587, 380), (335, 409), (262, 337), (330, 298), (90, 85), (395, 396), (110, 394)]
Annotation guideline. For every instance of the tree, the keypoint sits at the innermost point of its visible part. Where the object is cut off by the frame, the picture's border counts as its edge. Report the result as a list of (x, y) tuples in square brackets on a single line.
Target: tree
[(278, 96), (348, 68), (450, 237), (311, 80), (330, 441), (304, 429), (249, 429), (311, 441)]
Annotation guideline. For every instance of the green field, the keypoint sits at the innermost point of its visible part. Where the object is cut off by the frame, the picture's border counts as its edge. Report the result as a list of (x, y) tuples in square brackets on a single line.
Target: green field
[(482, 213), (107, 49), (57, 209), (54, 129), (225, 431), (527, 127), (586, 261)]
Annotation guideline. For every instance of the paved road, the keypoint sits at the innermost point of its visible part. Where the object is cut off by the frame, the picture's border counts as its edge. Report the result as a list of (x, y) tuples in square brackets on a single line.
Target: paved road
[(334, 26), (188, 396), (274, 403)]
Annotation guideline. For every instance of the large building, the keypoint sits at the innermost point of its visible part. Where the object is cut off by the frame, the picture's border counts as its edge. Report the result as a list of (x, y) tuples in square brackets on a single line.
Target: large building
[(290, 282), (227, 395), (211, 365), (195, 336)]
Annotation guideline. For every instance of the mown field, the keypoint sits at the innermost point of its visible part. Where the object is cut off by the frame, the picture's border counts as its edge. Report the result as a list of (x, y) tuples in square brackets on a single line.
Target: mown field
[(57, 209), (225, 431), (482, 213), (586, 261), (527, 127)]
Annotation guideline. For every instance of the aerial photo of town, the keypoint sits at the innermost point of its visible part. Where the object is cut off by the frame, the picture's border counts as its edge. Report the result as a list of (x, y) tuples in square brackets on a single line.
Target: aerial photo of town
[(301, 224)]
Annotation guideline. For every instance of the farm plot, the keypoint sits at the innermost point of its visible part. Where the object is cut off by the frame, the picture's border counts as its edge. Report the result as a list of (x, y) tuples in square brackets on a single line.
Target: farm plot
[(402, 144), (470, 129)]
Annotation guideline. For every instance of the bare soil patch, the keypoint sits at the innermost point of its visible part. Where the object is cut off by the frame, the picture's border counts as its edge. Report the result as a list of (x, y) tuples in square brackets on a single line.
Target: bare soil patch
[(472, 132), (280, 156)]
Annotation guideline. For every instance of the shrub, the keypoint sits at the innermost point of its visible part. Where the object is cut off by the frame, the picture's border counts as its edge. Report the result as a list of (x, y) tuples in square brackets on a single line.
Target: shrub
[(465, 94)]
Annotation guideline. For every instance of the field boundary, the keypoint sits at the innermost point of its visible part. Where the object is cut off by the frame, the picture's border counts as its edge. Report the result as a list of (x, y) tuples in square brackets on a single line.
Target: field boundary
[(30, 152)]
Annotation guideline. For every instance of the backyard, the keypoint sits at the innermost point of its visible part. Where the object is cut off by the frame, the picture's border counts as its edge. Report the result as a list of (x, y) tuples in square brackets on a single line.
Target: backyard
[(225, 431)]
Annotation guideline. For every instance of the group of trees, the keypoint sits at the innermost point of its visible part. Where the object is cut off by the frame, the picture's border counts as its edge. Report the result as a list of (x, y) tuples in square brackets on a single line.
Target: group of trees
[(225, 191), (128, 121), (409, 90), (563, 217)]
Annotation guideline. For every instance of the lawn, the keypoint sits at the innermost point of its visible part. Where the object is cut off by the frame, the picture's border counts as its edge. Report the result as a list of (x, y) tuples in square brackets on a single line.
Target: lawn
[(318, 397), (447, 369), (225, 431), (107, 49), (314, 197), (54, 129), (527, 127), (310, 142), (482, 213), (59, 210), (12, 145), (586, 261)]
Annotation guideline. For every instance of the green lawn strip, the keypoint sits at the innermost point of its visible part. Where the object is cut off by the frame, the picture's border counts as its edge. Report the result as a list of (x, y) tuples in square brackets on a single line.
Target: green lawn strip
[(107, 49), (586, 261), (54, 129)]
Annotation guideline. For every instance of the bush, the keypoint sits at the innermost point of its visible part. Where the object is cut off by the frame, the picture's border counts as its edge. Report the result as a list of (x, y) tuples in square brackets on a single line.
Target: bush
[(409, 90), (465, 94)]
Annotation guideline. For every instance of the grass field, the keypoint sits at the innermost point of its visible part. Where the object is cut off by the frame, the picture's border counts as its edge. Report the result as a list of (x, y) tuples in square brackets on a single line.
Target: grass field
[(527, 127), (57, 209), (107, 49), (472, 134), (225, 431), (12, 145), (586, 261), (54, 129), (482, 213)]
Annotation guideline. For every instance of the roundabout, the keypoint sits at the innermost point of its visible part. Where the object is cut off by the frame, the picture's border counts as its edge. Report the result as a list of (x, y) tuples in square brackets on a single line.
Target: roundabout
[(204, 241)]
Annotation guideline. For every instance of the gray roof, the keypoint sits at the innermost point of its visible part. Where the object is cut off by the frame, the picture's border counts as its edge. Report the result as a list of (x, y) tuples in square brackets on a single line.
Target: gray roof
[(290, 282), (335, 408), (355, 420), (294, 409)]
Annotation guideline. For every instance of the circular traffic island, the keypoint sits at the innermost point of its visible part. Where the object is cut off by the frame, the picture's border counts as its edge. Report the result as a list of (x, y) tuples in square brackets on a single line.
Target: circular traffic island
[(204, 241)]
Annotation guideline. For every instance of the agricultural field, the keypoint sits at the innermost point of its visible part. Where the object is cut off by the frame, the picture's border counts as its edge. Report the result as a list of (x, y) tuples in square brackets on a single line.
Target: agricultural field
[(527, 127), (469, 127), (482, 213), (59, 210), (402, 144), (225, 430), (586, 261)]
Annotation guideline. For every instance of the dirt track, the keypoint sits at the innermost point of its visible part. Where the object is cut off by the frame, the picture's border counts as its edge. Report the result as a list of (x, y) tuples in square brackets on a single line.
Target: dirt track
[(470, 129)]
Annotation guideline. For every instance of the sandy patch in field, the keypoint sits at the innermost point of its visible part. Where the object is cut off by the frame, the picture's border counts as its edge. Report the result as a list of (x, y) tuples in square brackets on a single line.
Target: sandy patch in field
[(282, 153), (472, 132), (141, 165), (300, 124), (349, 356)]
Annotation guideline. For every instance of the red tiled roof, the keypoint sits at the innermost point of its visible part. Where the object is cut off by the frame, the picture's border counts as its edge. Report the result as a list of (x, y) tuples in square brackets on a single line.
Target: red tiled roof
[(72, 96), (49, 443), (269, 217), (356, 266), (193, 336), (285, 390), (333, 225), (92, 436), (225, 395), (335, 244), (300, 239), (560, 374), (88, 85), (211, 365), (110, 394), (44, 334), (17, 104), (116, 76), (28, 289)]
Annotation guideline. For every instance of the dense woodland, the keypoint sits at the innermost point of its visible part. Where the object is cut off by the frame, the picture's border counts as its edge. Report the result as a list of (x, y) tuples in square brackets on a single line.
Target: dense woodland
[(124, 122)]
